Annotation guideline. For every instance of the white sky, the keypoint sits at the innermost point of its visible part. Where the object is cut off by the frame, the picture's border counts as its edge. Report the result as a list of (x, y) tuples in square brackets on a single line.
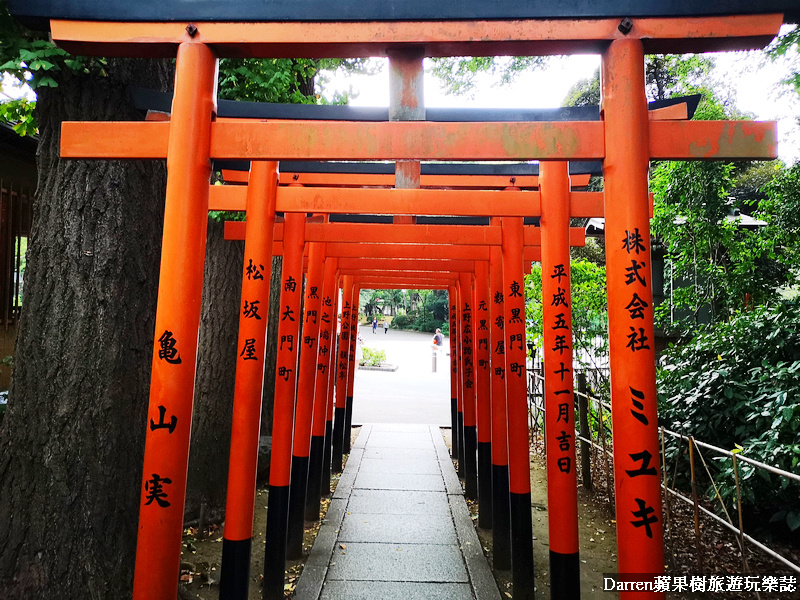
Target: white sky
[(754, 85)]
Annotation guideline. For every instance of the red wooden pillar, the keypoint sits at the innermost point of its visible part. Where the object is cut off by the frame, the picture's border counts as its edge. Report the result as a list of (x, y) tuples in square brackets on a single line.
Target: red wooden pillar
[(501, 528), (630, 313), (452, 297), (307, 376), (249, 387), (351, 369), (343, 354), (327, 317), (283, 416), (330, 400), (481, 326), (456, 340), (562, 490), (468, 383), (180, 290), (517, 409)]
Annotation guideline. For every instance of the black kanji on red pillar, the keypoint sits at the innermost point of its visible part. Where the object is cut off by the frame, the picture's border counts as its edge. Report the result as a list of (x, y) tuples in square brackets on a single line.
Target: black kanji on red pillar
[(170, 427), (645, 516), (632, 273), (168, 351), (254, 271), (632, 242), (558, 272), (645, 457), (155, 490), (250, 310), (249, 349)]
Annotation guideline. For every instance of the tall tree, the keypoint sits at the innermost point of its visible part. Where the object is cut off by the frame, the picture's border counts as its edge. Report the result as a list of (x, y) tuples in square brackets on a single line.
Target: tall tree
[(72, 438)]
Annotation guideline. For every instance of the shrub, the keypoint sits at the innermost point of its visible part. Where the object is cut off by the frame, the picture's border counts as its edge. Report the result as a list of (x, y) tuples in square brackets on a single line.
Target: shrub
[(373, 358), (738, 382), (401, 322)]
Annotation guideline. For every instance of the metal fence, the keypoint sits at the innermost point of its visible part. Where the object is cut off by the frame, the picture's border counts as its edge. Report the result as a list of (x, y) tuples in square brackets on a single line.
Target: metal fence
[(595, 433)]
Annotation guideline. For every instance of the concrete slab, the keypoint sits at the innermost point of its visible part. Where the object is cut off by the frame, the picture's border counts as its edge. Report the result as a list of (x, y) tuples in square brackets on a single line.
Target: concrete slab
[(398, 562), (402, 466), (401, 453), (399, 481), (397, 502), (399, 439), (379, 590), (398, 529)]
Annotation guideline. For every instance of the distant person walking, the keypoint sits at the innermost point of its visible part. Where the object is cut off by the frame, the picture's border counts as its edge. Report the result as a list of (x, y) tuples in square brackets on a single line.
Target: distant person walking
[(374, 325), (385, 327), (438, 339)]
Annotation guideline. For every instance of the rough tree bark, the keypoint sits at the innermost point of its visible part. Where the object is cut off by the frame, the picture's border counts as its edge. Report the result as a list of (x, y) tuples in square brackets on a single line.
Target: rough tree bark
[(72, 441), (215, 378)]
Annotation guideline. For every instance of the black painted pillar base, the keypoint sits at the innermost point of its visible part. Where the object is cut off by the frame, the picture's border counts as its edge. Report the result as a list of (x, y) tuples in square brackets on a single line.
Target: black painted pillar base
[(454, 427), (471, 462), (501, 518), (297, 507), (275, 542), (565, 576), (338, 440), (485, 485), (325, 480), (461, 455), (348, 426), (314, 484), (521, 546), (235, 577)]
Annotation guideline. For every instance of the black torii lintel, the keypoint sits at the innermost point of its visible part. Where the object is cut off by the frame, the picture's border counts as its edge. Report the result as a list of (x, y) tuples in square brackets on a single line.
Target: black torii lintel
[(37, 12)]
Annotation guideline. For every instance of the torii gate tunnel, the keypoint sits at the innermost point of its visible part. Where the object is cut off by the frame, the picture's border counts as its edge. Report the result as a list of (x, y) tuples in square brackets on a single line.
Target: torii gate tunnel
[(481, 266)]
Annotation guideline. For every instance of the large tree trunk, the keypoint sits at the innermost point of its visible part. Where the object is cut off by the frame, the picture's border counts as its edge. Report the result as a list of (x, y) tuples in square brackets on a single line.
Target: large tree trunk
[(216, 374), (72, 441)]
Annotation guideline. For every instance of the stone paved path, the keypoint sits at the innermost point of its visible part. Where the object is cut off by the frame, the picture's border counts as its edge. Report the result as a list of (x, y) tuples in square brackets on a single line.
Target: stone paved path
[(398, 527)]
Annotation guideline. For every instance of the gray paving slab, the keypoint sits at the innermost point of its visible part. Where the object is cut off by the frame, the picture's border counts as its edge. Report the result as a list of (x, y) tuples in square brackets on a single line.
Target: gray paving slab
[(401, 453), (400, 439), (398, 529), (386, 502), (399, 481), (385, 590), (414, 466), (398, 562), (398, 526)]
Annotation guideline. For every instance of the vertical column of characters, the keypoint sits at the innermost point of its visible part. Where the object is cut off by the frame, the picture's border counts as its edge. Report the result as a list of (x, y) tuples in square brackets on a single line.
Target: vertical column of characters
[(468, 382), (301, 447), (452, 297), (351, 368), (342, 354), (501, 517), (630, 313), (285, 395), (262, 186), (517, 409), (330, 399), (327, 317), (180, 290), (562, 490), (483, 392)]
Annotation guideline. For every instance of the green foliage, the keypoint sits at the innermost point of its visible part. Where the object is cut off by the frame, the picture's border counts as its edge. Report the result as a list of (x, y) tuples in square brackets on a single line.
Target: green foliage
[(585, 92), (373, 358), (459, 74), (738, 382), (787, 47), (401, 322), (19, 114), (589, 310)]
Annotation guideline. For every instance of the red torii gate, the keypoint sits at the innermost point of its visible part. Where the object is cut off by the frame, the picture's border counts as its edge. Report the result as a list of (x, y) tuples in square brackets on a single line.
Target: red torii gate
[(625, 140)]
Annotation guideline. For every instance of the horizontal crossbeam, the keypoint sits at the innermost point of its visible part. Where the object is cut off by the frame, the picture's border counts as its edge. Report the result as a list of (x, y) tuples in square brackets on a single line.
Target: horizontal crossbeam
[(484, 182), (406, 202), (454, 235), (517, 37), (295, 140)]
